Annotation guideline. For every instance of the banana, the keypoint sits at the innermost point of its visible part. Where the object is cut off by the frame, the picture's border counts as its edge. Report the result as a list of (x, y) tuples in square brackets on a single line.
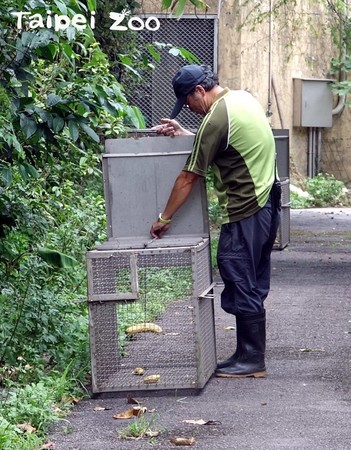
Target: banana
[(152, 379), (144, 328)]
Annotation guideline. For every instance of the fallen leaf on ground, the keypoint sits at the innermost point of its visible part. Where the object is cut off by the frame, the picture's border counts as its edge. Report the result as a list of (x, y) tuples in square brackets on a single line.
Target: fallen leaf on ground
[(152, 433), (183, 441), (132, 401), (138, 371), (46, 446), (139, 410), (27, 427), (124, 415), (136, 411), (69, 399), (57, 410)]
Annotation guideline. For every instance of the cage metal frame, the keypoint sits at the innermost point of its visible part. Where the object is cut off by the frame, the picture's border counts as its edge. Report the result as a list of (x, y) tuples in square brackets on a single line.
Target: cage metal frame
[(201, 313), (283, 233)]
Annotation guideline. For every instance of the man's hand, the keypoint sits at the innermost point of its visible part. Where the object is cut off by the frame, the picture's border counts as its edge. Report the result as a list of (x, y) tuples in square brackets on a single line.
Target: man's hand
[(158, 229), (170, 127)]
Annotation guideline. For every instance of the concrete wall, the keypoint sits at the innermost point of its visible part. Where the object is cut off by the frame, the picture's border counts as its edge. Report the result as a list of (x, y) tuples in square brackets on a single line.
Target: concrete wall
[(301, 47)]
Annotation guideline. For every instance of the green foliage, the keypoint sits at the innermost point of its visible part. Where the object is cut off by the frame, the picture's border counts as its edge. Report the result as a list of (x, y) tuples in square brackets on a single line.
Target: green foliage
[(324, 190), (299, 202), (327, 191), (63, 94), (34, 405), (45, 322), (39, 300), (214, 210), (31, 404), (178, 6), (214, 248), (13, 438), (139, 428), (338, 66)]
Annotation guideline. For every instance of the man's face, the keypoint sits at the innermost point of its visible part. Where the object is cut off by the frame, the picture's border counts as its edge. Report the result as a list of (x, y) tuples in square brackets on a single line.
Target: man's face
[(195, 101)]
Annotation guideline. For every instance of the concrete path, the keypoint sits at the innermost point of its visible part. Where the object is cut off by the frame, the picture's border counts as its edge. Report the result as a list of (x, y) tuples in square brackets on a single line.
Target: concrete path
[(305, 401)]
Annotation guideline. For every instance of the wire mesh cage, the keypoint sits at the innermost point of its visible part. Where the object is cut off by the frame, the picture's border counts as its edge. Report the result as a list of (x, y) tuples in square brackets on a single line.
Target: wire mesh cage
[(151, 324), (283, 234)]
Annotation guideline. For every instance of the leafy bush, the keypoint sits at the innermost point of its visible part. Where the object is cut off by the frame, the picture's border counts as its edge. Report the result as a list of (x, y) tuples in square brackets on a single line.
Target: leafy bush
[(214, 210), (13, 438), (39, 301), (324, 190), (26, 412)]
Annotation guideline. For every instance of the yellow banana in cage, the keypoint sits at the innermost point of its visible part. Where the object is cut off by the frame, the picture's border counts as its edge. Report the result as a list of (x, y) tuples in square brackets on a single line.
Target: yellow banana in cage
[(144, 328), (152, 379)]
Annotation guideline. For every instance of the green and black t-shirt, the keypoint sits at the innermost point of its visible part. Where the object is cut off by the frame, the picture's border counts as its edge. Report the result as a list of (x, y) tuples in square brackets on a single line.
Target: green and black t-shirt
[(235, 138)]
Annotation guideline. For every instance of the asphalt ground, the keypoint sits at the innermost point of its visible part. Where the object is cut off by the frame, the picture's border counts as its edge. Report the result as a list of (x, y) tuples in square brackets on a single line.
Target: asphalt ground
[(303, 403)]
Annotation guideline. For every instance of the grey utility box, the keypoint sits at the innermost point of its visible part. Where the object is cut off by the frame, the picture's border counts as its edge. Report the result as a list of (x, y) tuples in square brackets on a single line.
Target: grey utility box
[(151, 308), (313, 103)]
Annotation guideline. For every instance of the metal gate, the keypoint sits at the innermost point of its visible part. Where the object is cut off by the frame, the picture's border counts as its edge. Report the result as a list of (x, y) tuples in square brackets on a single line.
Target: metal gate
[(155, 97)]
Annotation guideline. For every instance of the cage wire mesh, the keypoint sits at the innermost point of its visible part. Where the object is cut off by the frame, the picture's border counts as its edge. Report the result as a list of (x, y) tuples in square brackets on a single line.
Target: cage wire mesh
[(155, 97), (162, 339), (283, 234)]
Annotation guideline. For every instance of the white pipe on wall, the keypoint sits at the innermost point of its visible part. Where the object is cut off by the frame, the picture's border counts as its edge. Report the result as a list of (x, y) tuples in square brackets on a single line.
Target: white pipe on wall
[(279, 108)]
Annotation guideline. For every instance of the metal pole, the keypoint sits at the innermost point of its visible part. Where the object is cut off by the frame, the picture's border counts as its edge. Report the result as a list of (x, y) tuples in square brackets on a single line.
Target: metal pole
[(309, 153), (269, 106), (319, 150)]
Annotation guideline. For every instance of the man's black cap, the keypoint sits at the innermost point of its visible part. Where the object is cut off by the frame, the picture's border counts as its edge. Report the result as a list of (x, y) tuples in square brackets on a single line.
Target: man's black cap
[(184, 82)]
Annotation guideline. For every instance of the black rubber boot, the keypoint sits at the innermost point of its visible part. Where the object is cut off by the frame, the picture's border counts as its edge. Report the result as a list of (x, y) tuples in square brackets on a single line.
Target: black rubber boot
[(230, 361), (252, 343)]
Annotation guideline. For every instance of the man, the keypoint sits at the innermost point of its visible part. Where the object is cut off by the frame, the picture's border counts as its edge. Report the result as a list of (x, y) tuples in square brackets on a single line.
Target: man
[(236, 140)]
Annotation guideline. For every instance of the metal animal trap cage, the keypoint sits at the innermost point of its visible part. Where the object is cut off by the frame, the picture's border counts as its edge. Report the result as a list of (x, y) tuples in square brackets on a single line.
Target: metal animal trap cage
[(150, 308), (152, 324)]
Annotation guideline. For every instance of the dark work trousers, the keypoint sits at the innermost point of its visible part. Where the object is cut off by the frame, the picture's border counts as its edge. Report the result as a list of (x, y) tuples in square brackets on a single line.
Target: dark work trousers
[(244, 260)]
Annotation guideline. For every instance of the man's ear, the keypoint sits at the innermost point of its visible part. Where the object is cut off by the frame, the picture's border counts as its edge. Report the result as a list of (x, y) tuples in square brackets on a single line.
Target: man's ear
[(200, 89)]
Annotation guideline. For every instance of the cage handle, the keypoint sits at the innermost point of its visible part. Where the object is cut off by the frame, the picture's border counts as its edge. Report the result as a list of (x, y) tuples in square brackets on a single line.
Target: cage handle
[(206, 295)]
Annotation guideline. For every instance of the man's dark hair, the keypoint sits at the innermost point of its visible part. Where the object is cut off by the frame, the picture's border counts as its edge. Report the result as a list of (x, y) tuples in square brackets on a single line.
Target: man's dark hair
[(211, 79)]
